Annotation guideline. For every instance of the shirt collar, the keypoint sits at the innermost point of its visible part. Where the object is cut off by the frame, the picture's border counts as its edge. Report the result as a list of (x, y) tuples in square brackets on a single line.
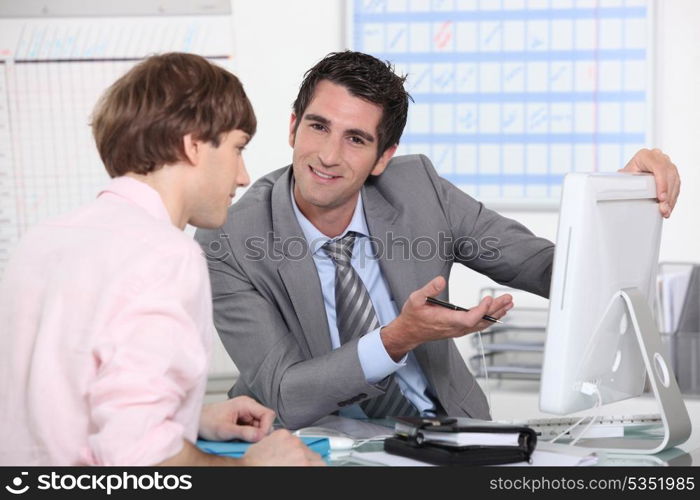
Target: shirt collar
[(140, 194), (315, 238)]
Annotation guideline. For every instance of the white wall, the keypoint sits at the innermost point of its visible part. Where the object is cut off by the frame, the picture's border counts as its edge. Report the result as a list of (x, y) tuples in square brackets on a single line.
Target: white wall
[(678, 119), (274, 47), (276, 42)]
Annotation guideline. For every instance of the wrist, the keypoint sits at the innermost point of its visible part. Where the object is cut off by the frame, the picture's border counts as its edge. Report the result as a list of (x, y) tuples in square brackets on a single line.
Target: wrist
[(205, 422), (394, 337)]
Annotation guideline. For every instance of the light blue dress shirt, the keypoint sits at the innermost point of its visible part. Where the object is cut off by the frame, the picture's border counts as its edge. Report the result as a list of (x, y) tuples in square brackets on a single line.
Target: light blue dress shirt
[(375, 361)]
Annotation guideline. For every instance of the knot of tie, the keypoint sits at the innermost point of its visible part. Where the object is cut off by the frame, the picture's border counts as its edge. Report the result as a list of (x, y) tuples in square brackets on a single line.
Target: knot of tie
[(340, 250)]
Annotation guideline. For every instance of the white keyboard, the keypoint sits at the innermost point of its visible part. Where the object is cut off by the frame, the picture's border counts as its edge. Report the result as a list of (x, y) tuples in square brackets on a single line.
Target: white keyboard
[(604, 426)]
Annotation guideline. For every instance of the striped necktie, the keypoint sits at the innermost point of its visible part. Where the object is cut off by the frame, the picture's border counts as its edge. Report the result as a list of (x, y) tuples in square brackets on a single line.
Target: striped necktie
[(355, 316)]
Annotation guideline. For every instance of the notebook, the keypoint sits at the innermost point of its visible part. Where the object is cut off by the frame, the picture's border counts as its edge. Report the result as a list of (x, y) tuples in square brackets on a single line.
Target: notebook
[(236, 449), (460, 441)]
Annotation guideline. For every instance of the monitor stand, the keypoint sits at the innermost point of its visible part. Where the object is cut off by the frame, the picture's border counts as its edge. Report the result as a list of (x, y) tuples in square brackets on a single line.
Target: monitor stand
[(674, 415)]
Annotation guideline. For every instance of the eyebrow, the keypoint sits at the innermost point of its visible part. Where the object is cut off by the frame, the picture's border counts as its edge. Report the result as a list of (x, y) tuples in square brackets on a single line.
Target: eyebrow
[(353, 131)]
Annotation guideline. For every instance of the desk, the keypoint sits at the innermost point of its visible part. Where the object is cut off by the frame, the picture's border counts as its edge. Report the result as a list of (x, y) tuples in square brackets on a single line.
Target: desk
[(511, 400), (520, 399)]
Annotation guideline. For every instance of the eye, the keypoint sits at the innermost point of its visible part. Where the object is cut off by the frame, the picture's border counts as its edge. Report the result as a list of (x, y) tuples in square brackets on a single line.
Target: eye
[(318, 126), (357, 140)]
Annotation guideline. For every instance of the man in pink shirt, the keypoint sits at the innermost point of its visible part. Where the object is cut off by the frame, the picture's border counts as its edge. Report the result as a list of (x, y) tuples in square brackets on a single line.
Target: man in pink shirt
[(106, 312)]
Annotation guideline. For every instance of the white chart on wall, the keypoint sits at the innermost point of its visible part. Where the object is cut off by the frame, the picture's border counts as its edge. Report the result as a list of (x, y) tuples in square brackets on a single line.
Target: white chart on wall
[(510, 95), (52, 72)]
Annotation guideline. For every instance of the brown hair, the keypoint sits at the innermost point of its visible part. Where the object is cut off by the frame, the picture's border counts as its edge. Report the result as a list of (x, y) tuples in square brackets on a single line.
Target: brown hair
[(139, 122), (368, 78)]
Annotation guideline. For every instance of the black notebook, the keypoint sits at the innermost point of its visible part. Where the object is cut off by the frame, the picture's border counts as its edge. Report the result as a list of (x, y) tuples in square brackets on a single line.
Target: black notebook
[(460, 441)]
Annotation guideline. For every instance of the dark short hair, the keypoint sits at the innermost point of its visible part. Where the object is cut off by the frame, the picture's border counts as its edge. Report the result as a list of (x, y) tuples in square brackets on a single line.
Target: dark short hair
[(368, 78), (139, 122)]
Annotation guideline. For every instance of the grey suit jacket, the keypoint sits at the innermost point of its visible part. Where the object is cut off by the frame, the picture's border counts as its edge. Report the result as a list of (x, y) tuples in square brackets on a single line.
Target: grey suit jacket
[(268, 304)]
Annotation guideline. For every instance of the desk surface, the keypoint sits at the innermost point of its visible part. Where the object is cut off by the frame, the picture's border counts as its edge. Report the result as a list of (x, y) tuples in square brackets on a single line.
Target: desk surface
[(520, 399), (515, 400)]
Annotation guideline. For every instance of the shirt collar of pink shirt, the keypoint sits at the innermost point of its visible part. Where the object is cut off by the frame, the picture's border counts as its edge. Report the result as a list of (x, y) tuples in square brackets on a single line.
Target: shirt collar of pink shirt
[(139, 193)]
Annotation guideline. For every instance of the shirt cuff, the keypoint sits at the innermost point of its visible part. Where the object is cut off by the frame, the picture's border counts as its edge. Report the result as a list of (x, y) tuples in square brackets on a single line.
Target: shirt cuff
[(375, 361)]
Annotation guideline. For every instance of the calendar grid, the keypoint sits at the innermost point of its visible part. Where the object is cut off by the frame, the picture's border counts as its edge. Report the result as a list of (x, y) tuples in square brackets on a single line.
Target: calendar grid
[(510, 95), (51, 76)]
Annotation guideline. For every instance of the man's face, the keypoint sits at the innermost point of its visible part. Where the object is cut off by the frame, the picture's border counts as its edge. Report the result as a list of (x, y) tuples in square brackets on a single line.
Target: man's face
[(222, 170), (335, 149)]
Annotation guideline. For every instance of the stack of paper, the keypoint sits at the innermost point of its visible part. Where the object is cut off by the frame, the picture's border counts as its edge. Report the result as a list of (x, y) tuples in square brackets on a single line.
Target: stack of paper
[(471, 438)]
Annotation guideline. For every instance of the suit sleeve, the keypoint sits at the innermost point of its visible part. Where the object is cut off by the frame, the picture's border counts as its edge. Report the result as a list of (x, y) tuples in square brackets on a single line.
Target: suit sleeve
[(501, 248), (273, 365)]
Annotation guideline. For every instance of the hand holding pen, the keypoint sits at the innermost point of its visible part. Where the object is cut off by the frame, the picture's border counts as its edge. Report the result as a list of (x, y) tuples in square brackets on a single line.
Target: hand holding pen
[(420, 321), (438, 302)]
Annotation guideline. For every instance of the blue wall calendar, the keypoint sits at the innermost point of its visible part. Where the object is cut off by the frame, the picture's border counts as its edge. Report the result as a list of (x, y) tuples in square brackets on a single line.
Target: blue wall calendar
[(510, 95)]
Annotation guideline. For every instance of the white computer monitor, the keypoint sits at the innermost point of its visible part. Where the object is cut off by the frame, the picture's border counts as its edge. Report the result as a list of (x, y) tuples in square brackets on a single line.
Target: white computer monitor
[(601, 337)]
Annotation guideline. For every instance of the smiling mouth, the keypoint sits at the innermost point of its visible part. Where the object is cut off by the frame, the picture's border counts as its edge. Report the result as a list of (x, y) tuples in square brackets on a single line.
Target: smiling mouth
[(323, 175)]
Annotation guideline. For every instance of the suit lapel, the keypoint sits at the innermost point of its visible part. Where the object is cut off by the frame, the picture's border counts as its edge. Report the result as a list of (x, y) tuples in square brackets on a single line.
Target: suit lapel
[(299, 274), (394, 240), (402, 276)]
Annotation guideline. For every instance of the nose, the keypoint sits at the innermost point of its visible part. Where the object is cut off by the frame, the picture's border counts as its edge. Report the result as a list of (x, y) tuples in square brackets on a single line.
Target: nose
[(329, 155), (243, 178)]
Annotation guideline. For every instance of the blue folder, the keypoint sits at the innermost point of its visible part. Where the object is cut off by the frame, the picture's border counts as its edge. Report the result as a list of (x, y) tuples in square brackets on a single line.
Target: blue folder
[(236, 449)]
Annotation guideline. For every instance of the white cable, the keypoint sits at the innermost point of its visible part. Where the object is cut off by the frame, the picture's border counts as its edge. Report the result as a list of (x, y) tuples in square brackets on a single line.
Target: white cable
[(360, 442), (586, 388), (486, 372), (565, 431), (598, 404)]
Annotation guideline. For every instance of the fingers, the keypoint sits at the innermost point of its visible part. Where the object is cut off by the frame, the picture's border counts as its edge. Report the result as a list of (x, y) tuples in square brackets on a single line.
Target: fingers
[(255, 414), (227, 430), (266, 420), (314, 459), (502, 306), (501, 302), (495, 307), (250, 406), (676, 192), (421, 322), (475, 315), (665, 176), (244, 432), (240, 417), (674, 189), (664, 197), (432, 288), (282, 448), (498, 308), (317, 461), (499, 313), (659, 164)]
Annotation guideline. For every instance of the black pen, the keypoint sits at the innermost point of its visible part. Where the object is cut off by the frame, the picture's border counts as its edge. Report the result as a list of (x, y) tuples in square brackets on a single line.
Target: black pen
[(437, 302)]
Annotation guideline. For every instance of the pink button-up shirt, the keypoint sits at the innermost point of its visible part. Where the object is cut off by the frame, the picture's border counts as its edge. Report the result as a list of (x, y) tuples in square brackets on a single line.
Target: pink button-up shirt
[(105, 330)]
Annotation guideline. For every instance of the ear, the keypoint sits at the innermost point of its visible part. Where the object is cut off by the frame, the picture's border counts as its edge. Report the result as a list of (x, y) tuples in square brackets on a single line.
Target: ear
[(384, 160), (192, 149), (292, 132)]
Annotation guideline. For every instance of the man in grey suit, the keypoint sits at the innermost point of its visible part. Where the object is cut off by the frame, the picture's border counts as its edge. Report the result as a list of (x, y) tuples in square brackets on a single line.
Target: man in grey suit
[(320, 299)]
